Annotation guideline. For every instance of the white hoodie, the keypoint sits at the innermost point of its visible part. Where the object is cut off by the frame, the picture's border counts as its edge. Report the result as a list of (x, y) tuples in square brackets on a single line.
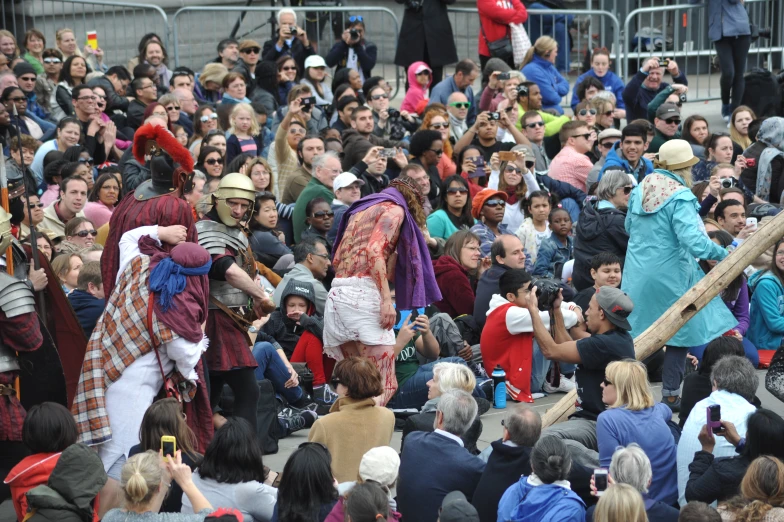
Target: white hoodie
[(518, 319)]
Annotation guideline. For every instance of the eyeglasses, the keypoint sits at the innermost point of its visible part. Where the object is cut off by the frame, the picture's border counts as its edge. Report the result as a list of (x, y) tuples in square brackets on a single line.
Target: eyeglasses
[(587, 135), (205, 119), (494, 202), (87, 98), (85, 233), (437, 126), (297, 131), (51, 60), (148, 86), (356, 18), (534, 125), (325, 256), (99, 97), (512, 169), (606, 382), (583, 112), (173, 108), (461, 105), (627, 190), (35, 205), (86, 161), (608, 113), (377, 97), (288, 68), (213, 161), (436, 152), (249, 50), (607, 144), (321, 214), (673, 121), (457, 190)]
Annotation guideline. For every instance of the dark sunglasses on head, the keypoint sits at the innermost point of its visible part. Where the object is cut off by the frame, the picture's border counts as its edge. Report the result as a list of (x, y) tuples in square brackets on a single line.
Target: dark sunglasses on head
[(86, 161), (248, 50), (583, 112), (85, 233), (323, 213), (461, 105), (627, 190), (457, 190), (534, 125), (213, 161), (356, 18), (205, 119), (494, 202)]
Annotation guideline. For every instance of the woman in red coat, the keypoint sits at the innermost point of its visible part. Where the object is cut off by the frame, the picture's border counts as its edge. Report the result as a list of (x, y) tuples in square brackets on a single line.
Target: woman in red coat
[(494, 18), (457, 272)]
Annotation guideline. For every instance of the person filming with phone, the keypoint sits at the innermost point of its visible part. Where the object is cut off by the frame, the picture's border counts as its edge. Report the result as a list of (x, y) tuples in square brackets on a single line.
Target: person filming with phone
[(292, 40)]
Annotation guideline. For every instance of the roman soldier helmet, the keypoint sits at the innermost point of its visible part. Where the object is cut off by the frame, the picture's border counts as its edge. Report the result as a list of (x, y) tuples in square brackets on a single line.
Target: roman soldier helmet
[(168, 159), (233, 186), (5, 230)]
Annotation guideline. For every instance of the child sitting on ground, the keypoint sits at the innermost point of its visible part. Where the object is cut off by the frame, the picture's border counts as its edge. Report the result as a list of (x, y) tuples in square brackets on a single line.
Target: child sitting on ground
[(605, 271)]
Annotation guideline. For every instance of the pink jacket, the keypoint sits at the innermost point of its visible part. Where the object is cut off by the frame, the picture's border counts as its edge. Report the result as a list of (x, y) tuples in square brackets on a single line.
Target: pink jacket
[(415, 93), (338, 513)]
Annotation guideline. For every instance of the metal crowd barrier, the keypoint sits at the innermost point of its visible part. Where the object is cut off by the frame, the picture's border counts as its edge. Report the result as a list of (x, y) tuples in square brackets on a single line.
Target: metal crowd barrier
[(551, 22), (120, 25), (196, 31), (681, 32)]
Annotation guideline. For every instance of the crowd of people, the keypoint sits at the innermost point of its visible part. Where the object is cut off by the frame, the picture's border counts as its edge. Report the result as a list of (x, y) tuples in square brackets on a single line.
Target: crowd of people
[(268, 243)]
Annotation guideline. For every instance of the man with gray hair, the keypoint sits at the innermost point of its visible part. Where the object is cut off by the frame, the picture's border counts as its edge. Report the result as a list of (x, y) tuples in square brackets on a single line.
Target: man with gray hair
[(292, 40), (630, 465), (326, 168), (735, 382), (435, 463)]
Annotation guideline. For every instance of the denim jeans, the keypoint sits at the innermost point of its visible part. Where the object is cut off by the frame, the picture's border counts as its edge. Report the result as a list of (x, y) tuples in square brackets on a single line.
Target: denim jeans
[(271, 367), (748, 347), (673, 370), (413, 392), (540, 366)]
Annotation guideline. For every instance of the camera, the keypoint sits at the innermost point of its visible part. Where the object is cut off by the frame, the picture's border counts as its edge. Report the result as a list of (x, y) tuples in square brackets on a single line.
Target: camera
[(664, 63), (354, 34), (682, 98), (728, 182), (393, 113), (546, 291), (522, 91), (494, 116), (504, 76)]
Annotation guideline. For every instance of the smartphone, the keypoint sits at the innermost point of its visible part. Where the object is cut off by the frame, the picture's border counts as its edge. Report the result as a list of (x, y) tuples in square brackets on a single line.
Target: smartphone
[(600, 481), (504, 76), (480, 168), (751, 162), (714, 418), (751, 222), (387, 153), (505, 155), (404, 315), (92, 39), (308, 102), (168, 445)]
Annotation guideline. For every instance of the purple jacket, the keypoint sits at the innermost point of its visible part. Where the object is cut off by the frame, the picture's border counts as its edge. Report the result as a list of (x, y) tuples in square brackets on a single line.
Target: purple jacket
[(740, 308)]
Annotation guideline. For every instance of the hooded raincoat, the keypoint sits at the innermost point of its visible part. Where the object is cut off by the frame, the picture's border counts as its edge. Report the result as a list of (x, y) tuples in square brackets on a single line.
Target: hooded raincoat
[(415, 93), (666, 237), (529, 500)]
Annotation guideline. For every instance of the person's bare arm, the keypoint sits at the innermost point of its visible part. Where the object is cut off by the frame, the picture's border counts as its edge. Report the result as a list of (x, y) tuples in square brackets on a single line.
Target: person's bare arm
[(427, 344), (237, 278)]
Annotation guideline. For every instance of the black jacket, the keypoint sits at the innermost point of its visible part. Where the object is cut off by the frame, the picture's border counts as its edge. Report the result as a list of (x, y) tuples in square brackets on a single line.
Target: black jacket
[(429, 27), (297, 51), (366, 56), (749, 175), (712, 479), (597, 231), (504, 468), (485, 288), (560, 188), (284, 333), (424, 422), (114, 102), (135, 114), (73, 485)]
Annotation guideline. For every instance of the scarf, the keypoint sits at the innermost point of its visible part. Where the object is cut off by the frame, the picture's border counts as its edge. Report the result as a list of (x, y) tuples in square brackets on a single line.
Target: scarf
[(457, 126), (415, 282), (511, 195), (771, 133), (180, 284)]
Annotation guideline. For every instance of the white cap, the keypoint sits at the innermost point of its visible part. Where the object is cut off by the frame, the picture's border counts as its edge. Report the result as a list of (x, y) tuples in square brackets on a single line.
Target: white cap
[(344, 180), (421, 68), (315, 60)]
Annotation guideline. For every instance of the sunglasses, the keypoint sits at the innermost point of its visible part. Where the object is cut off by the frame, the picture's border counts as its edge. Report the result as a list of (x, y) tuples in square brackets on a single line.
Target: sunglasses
[(288, 68), (583, 112), (437, 126), (334, 382), (85, 233), (205, 119), (673, 121), (18, 99), (173, 108), (27, 78), (213, 161), (50, 60), (587, 135), (86, 161), (512, 168), (607, 144), (608, 113), (377, 97), (249, 50), (321, 214), (356, 18), (461, 105), (457, 190), (436, 152), (494, 202), (606, 382), (534, 125), (627, 190), (35, 205)]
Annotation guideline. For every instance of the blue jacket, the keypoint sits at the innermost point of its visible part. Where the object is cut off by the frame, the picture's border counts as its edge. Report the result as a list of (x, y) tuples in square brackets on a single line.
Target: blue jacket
[(636, 97), (422, 488), (666, 237), (615, 160), (726, 18), (33, 107), (443, 89), (88, 309), (610, 81), (551, 252), (550, 82), (766, 328), (523, 502)]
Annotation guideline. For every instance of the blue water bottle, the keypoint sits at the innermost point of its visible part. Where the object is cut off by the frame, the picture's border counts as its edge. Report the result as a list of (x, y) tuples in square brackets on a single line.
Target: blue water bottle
[(499, 388)]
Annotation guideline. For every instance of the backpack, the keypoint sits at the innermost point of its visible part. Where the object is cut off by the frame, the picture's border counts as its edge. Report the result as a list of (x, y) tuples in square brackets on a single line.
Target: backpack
[(762, 93)]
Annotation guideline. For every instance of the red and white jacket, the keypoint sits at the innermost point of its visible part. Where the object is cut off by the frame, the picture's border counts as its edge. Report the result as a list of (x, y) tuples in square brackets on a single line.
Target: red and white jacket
[(495, 17)]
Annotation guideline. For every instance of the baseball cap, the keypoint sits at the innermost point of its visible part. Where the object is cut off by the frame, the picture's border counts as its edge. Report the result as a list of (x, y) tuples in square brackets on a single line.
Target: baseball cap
[(421, 68), (667, 111), (314, 60), (344, 180), (527, 150), (456, 508), (610, 133), (380, 464), (616, 306)]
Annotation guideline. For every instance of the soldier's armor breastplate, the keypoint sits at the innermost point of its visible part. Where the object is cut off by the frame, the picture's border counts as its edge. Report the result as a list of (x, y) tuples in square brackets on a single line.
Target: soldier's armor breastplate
[(216, 237), (15, 299)]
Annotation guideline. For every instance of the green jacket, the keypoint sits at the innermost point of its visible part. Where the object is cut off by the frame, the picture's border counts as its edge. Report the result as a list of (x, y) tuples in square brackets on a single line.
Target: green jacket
[(314, 189), (552, 124), (660, 139)]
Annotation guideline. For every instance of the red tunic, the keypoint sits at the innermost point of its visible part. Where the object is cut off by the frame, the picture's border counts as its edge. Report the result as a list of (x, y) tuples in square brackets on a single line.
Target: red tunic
[(130, 214), (513, 352), (22, 334)]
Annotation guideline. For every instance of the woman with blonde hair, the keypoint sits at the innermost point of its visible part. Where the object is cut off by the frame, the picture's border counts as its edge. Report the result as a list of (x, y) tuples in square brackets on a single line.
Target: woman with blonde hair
[(620, 503), (208, 86), (539, 67), (145, 481), (66, 43), (633, 415), (761, 494), (739, 126), (8, 45), (437, 119)]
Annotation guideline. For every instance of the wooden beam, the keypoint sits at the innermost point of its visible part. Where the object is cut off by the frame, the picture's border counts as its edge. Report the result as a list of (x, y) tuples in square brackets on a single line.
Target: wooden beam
[(694, 300)]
